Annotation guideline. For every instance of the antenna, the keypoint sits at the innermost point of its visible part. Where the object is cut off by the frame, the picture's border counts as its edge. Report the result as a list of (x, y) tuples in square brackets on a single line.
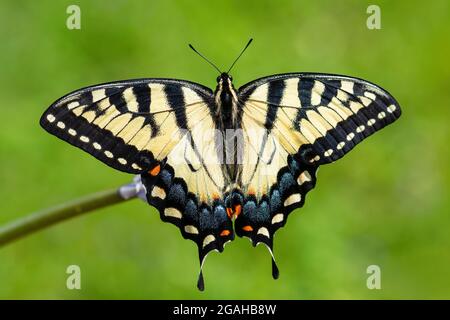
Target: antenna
[(212, 64), (240, 54)]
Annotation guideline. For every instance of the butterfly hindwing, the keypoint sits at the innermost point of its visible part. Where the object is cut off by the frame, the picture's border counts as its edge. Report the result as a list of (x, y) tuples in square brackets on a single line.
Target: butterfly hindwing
[(201, 216), (203, 220)]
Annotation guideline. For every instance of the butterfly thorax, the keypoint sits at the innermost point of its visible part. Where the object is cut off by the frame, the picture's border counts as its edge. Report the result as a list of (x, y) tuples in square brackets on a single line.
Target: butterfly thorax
[(226, 102)]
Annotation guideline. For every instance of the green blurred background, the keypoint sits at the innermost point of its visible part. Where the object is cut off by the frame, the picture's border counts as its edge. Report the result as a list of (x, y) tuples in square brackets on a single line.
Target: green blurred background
[(385, 203)]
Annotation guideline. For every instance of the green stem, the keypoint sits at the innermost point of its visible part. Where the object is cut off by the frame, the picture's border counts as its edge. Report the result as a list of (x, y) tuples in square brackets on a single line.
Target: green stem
[(47, 217)]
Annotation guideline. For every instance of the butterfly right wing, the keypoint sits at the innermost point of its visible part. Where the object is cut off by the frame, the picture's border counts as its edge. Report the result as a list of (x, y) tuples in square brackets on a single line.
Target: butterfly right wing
[(310, 120)]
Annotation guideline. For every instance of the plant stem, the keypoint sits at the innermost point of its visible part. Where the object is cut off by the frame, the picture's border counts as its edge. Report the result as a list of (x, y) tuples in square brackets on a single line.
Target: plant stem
[(47, 217)]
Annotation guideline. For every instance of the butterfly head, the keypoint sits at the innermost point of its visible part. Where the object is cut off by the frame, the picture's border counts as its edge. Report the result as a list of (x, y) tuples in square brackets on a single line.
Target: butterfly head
[(225, 94), (224, 80)]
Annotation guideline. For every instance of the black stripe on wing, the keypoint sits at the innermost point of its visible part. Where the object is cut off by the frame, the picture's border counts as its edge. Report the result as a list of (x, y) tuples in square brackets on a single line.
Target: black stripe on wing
[(275, 94), (175, 98)]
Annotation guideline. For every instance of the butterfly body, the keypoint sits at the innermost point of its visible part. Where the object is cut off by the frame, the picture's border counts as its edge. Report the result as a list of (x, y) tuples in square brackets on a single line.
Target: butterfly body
[(223, 162), (226, 106)]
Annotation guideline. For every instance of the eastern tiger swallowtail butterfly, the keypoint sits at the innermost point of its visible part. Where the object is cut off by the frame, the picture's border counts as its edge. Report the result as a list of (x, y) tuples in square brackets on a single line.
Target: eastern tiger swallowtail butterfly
[(223, 162)]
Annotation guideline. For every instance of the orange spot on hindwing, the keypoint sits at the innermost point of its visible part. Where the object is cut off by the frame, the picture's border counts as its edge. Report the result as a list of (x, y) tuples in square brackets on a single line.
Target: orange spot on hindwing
[(155, 170), (237, 210), (229, 213), (225, 233), (247, 228)]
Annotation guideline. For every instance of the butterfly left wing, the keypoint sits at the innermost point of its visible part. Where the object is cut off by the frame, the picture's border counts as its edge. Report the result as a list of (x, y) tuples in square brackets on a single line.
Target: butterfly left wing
[(156, 128), (308, 120)]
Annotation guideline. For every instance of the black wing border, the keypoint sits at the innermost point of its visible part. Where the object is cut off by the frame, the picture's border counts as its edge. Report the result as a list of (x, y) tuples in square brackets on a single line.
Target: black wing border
[(311, 75), (189, 84)]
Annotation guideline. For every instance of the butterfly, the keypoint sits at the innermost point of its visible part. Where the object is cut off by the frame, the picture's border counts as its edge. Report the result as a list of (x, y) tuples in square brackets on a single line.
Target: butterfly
[(226, 162)]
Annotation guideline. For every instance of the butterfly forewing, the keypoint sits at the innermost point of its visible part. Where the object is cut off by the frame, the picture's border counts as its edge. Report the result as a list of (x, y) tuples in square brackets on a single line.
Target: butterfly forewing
[(127, 125), (332, 113)]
